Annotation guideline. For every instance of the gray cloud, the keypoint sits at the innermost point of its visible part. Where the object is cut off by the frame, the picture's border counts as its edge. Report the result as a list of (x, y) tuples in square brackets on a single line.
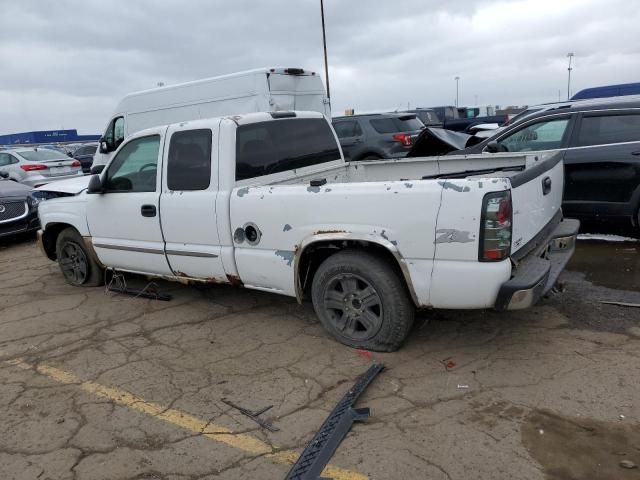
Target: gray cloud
[(67, 63)]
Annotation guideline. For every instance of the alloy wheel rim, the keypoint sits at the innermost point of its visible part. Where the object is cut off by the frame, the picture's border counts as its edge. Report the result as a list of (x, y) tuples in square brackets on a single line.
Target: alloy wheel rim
[(354, 306), (74, 263)]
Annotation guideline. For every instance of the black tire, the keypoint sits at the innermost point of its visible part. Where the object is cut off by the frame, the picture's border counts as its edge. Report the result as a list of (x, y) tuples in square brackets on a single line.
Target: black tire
[(77, 265), (371, 156), (361, 301)]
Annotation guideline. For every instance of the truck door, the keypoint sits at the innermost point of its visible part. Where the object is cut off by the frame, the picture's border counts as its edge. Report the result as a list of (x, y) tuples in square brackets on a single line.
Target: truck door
[(123, 220), (188, 203)]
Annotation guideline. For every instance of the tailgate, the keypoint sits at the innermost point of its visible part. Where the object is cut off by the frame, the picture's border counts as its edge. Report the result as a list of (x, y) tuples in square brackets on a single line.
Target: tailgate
[(536, 194)]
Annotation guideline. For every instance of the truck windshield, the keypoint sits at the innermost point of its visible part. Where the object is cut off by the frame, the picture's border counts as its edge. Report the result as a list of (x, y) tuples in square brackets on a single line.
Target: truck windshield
[(278, 145)]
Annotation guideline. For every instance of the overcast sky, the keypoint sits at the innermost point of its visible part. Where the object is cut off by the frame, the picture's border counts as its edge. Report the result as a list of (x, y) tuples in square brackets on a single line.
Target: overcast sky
[(67, 63)]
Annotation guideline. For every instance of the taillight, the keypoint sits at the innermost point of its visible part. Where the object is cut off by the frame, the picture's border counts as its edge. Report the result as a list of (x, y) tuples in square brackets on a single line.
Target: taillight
[(30, 167), (403, 138), (495, 227), (76, 163)]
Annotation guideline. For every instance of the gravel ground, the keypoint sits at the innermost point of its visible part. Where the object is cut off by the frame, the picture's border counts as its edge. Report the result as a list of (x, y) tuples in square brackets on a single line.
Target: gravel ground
[(97, 386)]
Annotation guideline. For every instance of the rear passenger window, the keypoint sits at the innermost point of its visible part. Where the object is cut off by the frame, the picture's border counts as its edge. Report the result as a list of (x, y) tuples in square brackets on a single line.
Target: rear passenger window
[(347, 129), (275, 146), (606, 129), (384, 125), (406, 123), (189, 162)]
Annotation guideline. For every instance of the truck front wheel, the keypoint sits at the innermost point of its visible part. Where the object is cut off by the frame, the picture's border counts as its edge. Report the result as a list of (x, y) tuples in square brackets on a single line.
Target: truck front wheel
[(76, 264), (362, 301)]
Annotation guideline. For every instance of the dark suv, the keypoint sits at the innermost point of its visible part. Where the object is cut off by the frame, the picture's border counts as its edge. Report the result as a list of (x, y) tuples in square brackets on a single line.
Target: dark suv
[(376, 136), (600, 145)]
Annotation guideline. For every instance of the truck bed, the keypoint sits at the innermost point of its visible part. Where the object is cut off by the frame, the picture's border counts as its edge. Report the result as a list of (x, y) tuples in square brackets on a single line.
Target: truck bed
[(400, 169)]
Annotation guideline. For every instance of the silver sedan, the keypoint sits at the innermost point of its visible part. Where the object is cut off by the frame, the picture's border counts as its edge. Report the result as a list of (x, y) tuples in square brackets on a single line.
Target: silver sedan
[(38, 166)]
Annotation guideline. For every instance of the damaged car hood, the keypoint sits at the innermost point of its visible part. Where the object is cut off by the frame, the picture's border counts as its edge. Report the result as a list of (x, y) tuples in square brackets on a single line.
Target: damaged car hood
[(439, 141), (73, 186)]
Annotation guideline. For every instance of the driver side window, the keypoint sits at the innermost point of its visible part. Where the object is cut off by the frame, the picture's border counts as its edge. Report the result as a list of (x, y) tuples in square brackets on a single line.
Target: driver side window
[(135, 167), (545, 135)]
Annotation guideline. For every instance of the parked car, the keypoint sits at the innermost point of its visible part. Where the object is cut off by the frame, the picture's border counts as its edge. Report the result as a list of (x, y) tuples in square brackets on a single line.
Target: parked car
[(18, 209), (463, 119), (427, 116), (377, 136), (599, 141), (37, 166), (266, 201), (84, 154), (56, 148), (447, 112), (263, 89)]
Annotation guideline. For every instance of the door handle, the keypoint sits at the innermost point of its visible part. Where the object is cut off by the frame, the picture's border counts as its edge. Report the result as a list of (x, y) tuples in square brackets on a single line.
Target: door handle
[(636, 153), (148, 210), (546, 185)]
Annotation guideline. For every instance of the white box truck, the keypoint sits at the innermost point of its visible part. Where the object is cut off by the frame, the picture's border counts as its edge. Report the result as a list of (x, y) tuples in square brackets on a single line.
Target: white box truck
[(259, 90)]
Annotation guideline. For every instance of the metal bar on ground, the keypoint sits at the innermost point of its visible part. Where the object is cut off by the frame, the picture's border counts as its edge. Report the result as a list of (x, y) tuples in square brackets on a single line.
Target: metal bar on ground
[(253, 415), (322, 446)]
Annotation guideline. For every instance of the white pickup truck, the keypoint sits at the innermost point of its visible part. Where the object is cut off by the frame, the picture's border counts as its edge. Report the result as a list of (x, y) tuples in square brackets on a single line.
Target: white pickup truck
[(266, 201)]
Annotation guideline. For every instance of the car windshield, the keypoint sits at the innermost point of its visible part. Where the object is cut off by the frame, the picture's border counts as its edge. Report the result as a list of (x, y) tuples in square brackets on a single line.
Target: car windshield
[(42, 155)]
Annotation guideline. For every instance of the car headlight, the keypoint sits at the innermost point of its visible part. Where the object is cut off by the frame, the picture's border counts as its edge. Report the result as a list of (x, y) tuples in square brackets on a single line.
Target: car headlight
[(33, 201)]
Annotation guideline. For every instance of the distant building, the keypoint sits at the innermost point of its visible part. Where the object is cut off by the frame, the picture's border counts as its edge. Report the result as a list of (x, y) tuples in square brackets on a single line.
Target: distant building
[(619, 90), (510, 110), (46, 136)]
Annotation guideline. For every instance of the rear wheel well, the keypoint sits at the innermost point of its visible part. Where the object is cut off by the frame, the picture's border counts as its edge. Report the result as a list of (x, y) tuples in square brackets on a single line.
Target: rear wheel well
[(50, 237), (316, 253)]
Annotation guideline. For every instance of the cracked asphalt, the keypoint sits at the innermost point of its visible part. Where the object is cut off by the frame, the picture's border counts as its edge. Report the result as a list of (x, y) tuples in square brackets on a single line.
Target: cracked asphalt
[(101, 386)]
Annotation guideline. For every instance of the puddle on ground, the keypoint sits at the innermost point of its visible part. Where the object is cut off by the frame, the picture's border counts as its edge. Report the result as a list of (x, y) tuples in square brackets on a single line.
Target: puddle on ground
[(608, 264), (576, 448)]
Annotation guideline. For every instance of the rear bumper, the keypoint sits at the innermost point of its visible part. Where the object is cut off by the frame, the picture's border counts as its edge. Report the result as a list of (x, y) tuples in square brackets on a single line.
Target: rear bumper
[(536, 274)]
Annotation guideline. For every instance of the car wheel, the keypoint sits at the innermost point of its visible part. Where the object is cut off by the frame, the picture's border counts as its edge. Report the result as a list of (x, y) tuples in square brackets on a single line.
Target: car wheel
[(77, 265), (360, 299)]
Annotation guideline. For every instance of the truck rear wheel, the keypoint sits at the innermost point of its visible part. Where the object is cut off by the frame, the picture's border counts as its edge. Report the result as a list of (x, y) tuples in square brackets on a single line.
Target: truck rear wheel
[(362, 301), (77, 265)]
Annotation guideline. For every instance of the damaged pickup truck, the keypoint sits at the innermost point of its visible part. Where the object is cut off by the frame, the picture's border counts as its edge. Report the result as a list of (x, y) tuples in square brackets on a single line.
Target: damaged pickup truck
[(266, 201)]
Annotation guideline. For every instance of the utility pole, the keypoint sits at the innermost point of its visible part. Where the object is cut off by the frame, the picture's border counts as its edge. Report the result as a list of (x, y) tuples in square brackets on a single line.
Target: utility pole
[(457, 79), (324, 43), (570, 55)]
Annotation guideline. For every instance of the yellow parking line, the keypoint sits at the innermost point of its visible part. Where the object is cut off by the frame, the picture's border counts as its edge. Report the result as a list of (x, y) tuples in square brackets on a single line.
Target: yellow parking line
[(241, 441)]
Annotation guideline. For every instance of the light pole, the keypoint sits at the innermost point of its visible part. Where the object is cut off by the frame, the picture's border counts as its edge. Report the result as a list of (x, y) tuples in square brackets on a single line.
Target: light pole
[(570, 55), (457, 79), (324, 43)]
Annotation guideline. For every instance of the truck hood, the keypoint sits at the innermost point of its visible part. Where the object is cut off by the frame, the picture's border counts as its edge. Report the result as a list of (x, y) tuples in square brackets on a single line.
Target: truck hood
[(73, 186)]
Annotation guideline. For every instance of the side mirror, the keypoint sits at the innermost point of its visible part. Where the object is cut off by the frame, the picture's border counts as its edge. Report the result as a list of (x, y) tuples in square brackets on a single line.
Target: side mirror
[(4, 175), (104, 146), (95, 185), (69, 154), (492, 147), (97, 169)]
